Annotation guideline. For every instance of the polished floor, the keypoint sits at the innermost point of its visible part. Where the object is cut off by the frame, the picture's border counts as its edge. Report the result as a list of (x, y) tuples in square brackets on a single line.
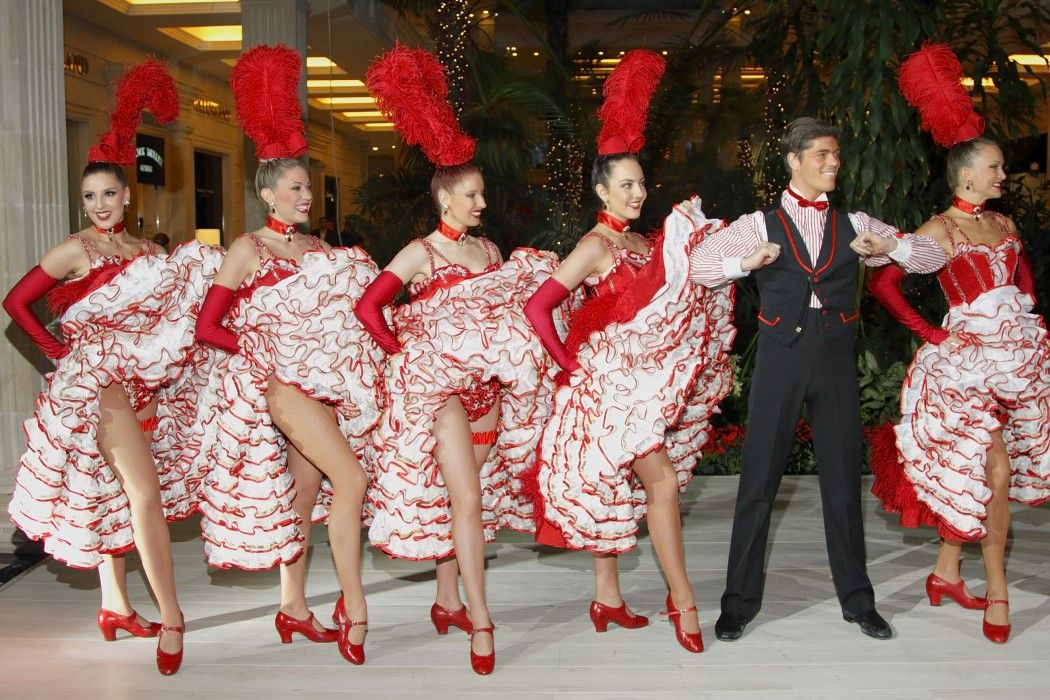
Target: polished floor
[(798, 647)]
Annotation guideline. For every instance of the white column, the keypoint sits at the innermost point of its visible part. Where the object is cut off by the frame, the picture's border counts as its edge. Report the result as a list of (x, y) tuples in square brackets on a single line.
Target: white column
[(270, 22), (34, 207)]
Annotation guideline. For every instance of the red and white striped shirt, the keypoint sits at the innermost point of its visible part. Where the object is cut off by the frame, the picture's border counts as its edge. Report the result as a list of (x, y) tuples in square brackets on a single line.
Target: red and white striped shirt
[(717, 261)]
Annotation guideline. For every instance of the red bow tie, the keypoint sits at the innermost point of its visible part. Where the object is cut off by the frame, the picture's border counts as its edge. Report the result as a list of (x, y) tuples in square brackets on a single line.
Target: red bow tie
[(803, 202)]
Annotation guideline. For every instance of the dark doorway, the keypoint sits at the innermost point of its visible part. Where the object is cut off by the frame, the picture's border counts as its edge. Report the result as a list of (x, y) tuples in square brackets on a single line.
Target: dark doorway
[(207, 182)]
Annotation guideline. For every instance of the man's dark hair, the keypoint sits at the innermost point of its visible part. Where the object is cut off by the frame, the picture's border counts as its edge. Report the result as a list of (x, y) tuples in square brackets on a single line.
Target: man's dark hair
[(800, 135)]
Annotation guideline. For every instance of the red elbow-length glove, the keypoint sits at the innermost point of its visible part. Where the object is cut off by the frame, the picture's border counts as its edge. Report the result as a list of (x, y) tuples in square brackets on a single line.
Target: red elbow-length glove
[(1024, 277), (209, 329), (885, 285), (540, 312), (369, 310), (18, 303)]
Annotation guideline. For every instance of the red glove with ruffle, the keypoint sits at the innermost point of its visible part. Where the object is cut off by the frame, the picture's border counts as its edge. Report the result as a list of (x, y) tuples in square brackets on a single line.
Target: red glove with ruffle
[(369, 310), (1024, 277), (885, 285), (209, 330), (540, 312), (18, 303)]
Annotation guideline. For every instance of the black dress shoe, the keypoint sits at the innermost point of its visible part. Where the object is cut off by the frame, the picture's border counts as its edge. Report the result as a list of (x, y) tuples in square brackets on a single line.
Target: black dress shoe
[(730, 626), (871, 624)]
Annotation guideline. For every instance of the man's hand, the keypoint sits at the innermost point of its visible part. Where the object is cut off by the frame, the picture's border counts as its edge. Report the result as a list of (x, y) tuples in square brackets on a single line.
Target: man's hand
[(760, 256), (867, 243)]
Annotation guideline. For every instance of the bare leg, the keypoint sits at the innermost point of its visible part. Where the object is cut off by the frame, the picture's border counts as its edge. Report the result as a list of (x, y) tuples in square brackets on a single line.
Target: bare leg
[(657, 475), (293, 576), (125, 448), (112, 578), (456, 460), (112, 572), (607, 580), (446, 570), (993, 546), (312, 428)]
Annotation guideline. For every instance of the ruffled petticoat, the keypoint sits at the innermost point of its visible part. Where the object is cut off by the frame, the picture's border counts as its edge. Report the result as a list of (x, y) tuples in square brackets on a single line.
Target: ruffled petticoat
[(303, 332), (472, 330), (652, 381), (136, 330), (951, 402)]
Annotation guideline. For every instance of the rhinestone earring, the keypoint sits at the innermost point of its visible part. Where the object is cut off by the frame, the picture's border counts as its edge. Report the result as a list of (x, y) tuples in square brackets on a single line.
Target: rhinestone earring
[(273, 208), (969, 184)]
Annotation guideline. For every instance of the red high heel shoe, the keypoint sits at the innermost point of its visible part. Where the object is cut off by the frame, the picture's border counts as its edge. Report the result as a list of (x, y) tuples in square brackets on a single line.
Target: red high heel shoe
[(690, 641), (354, 653), (482, 665), (109, 622), (937, 588), (999, 634), (167, 663), (443, 618), (287, 625), (602, 615)]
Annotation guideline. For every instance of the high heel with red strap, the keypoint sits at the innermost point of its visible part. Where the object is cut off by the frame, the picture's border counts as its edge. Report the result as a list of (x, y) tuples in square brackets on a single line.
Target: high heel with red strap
[(601, 615), (999, 634), (109, 622), (287, 625), (167, 663), (443, 618), (937, 588), (354, 653), (690, 641), (483, 665)]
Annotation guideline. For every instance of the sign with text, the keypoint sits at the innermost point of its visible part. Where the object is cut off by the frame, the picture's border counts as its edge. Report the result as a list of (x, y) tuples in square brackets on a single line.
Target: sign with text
[(149, 159)]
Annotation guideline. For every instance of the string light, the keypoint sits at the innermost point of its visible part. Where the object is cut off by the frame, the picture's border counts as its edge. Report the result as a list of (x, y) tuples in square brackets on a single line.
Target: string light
[(453, 20), (772, 169)]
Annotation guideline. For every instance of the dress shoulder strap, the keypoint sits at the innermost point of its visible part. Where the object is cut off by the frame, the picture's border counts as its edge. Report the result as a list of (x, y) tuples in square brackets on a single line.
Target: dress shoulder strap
[(433, 252), (315, 244), (261, 250), (1000, 224), (609, 245), (948, 225), (90, 249), (491, 251)]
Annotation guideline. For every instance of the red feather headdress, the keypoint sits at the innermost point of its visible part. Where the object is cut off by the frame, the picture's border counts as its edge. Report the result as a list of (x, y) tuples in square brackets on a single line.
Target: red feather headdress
[(410, 88), (929, 81), (265, 82), (148, 85), (628, 90)]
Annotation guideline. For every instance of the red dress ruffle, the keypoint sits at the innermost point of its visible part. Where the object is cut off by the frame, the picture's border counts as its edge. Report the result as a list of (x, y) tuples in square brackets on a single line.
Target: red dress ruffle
[(134, 328), (294, 323), (656, 368), (466, 331), (953, 400)]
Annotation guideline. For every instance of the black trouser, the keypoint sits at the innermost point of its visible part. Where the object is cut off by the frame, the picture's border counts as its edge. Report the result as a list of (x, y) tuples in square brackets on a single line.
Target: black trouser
[(821, 370)]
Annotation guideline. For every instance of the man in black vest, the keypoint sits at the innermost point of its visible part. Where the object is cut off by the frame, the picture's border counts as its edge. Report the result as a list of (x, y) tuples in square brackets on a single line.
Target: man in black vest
[(804, 254)]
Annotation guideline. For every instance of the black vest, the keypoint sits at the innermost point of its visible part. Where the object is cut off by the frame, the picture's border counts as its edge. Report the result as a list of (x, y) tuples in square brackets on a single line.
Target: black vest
[(785, 285)]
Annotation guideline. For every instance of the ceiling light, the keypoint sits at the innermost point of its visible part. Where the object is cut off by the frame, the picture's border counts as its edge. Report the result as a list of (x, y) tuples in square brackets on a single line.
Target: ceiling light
[(363, 100), (321, 83)]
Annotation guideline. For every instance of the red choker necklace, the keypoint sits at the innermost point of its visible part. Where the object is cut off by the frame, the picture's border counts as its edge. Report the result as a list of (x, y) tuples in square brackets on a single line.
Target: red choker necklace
[(451, 233), (974, 210), (286, 230), (618, 225), (117, 228)]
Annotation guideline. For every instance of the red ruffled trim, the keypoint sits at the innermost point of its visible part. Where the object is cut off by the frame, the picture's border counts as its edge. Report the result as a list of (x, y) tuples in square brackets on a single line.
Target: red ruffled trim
[(598, 312), (62, 297), (897, 493)]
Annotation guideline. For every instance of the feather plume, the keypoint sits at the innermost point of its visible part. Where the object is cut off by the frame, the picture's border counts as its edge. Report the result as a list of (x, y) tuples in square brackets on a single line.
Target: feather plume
[(265, 84), (410, 88), (929, 81), (628, 91), (148, 85)]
